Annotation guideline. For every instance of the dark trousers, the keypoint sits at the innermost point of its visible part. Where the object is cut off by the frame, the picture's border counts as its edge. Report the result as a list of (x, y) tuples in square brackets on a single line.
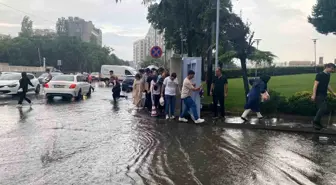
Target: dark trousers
[(148, 101), (321, 102), (23, 96), (220, 99)]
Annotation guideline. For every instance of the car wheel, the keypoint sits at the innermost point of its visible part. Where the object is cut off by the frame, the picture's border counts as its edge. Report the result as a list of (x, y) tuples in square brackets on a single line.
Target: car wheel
[(38, 89), (89, 93), (79, 95)]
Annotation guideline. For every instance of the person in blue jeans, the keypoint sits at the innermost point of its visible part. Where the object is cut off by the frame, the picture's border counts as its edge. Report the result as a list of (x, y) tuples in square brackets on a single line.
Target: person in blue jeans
[(170, 86), (187, 89)]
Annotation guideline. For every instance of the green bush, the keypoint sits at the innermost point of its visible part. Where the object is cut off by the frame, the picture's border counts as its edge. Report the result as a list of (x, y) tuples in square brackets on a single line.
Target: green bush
[(277, 103), (273, 71), (300, 103)]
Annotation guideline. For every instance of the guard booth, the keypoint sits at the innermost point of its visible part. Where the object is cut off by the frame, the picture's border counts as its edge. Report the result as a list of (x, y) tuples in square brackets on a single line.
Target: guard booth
[(195, 64)]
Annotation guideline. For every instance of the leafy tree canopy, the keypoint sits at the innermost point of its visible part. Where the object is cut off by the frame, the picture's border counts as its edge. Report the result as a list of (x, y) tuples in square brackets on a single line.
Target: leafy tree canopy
[(323, 16), (75, 54)]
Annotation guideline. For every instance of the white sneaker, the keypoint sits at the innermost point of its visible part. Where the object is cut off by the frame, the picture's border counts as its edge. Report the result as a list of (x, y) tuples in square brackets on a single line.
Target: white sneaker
[(19, 106), (172, 117), (31, 104), (183, 120), (199, 120), (167, 116)]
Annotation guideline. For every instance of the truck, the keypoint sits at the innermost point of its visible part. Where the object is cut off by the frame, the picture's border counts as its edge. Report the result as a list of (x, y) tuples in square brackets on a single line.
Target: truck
[(120, 71)]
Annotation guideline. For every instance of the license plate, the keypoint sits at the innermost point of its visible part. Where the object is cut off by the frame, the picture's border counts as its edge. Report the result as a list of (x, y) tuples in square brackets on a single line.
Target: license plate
[(59, 86)]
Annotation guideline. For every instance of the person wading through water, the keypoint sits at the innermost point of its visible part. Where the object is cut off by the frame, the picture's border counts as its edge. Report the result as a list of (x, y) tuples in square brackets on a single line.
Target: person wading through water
[(24, 82), (257, 94), (320, 92)]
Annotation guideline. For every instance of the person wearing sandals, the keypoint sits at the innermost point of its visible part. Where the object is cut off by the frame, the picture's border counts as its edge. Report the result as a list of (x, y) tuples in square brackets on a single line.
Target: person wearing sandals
[(257, 94)]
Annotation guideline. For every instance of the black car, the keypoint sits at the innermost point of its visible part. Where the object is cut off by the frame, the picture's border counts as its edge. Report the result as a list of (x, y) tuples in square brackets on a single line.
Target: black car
[(127, 84)]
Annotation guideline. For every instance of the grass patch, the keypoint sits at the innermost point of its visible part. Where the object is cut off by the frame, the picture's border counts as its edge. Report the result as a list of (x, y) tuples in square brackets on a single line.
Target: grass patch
[(285, 85)]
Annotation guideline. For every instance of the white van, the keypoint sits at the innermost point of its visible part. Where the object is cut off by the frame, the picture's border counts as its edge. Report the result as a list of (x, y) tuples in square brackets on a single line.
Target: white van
[(120, 71)]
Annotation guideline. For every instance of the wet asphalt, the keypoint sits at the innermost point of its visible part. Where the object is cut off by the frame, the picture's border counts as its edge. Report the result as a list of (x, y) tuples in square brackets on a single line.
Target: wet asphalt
[(96, 141)]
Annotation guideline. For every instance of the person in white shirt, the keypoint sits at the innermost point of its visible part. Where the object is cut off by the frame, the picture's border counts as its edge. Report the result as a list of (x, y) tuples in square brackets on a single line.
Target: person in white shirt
[(187, 89), (170, 86), (155, 92)]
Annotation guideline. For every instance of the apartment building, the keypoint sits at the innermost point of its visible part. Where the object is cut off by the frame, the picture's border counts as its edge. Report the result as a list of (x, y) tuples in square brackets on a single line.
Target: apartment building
[(85, 30), (139, 51)]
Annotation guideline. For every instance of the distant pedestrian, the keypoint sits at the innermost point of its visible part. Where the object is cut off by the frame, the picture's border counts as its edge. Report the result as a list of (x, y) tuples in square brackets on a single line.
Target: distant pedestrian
[(137, 91), (257, 94), (170, 87), (24, 82), (320, 90), (49, 76), (116, 89), (219, 91), (187, 88)]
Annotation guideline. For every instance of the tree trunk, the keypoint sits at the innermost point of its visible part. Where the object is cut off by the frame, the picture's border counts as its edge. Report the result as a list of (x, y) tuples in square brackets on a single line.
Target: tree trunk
[(245, 80)]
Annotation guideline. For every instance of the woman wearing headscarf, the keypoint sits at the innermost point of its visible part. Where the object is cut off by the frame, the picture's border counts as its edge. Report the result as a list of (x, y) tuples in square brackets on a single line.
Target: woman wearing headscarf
[(24, 82), (257, 94)]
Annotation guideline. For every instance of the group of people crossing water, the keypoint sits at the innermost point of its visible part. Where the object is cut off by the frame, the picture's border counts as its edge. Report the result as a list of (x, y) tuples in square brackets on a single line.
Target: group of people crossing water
[(156, 90)]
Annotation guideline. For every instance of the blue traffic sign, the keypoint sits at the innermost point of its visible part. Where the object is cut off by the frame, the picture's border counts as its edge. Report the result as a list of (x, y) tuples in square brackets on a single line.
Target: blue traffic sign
[(156, 52)]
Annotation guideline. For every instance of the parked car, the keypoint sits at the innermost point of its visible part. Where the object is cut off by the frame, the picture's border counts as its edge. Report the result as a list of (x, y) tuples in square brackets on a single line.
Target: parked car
[(67, 86), (42, 78), (127, 84), (9, 83)]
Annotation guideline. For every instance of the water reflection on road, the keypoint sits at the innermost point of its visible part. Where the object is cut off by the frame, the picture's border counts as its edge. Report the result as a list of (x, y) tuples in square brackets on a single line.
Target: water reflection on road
[(95, 141)]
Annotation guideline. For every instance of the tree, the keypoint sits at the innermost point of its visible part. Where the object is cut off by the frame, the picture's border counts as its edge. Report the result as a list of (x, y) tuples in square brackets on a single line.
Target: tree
[(151, 61), (62, 26), (26, 27), (323, 16)]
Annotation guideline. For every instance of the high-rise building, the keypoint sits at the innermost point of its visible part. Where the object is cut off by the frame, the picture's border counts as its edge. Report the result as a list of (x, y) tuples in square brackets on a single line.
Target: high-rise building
[(154, 38), (139, 51), (85, 30)]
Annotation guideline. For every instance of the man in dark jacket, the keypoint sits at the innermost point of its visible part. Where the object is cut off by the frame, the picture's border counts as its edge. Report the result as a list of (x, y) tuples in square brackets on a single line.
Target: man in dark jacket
[(24, 82)]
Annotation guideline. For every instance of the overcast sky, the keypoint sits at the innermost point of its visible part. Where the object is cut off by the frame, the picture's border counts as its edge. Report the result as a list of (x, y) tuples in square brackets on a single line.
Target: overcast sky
[(281, 24)]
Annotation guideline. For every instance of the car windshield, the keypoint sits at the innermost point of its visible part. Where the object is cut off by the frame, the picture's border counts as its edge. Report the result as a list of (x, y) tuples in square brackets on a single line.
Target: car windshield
[(68, 78), (95, 74), (10, 77)]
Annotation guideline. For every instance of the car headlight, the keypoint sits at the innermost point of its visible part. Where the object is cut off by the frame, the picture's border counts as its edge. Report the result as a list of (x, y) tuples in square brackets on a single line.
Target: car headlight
[(12, 85)]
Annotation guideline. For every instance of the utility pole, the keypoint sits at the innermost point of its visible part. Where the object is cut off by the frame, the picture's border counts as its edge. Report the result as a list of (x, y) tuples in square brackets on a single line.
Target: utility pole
[(256, 66), (39, 55), (217, 33), (210, 73)]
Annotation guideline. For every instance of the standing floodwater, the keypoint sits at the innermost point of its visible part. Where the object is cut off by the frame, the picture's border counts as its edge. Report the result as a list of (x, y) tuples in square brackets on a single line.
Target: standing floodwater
[(96, 141)]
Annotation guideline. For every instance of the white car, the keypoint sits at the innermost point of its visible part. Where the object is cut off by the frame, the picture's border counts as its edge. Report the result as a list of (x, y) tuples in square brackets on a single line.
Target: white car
[(9, 83), (67, 86)]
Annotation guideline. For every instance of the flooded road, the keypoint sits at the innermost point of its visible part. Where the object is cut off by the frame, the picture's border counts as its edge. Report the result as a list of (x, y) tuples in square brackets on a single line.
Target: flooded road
[(94, 141)]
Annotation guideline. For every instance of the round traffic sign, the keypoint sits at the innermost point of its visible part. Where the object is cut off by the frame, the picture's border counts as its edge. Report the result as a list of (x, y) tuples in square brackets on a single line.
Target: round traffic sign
[(156, 52)]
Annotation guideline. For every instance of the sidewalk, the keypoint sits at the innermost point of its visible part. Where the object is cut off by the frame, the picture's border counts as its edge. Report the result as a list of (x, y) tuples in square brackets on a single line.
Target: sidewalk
[(285, 124)]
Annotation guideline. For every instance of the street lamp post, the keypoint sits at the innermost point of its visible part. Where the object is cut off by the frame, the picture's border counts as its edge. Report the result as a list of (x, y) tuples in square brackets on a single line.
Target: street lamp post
[(217, 33), (314, 40), (256, 66)]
